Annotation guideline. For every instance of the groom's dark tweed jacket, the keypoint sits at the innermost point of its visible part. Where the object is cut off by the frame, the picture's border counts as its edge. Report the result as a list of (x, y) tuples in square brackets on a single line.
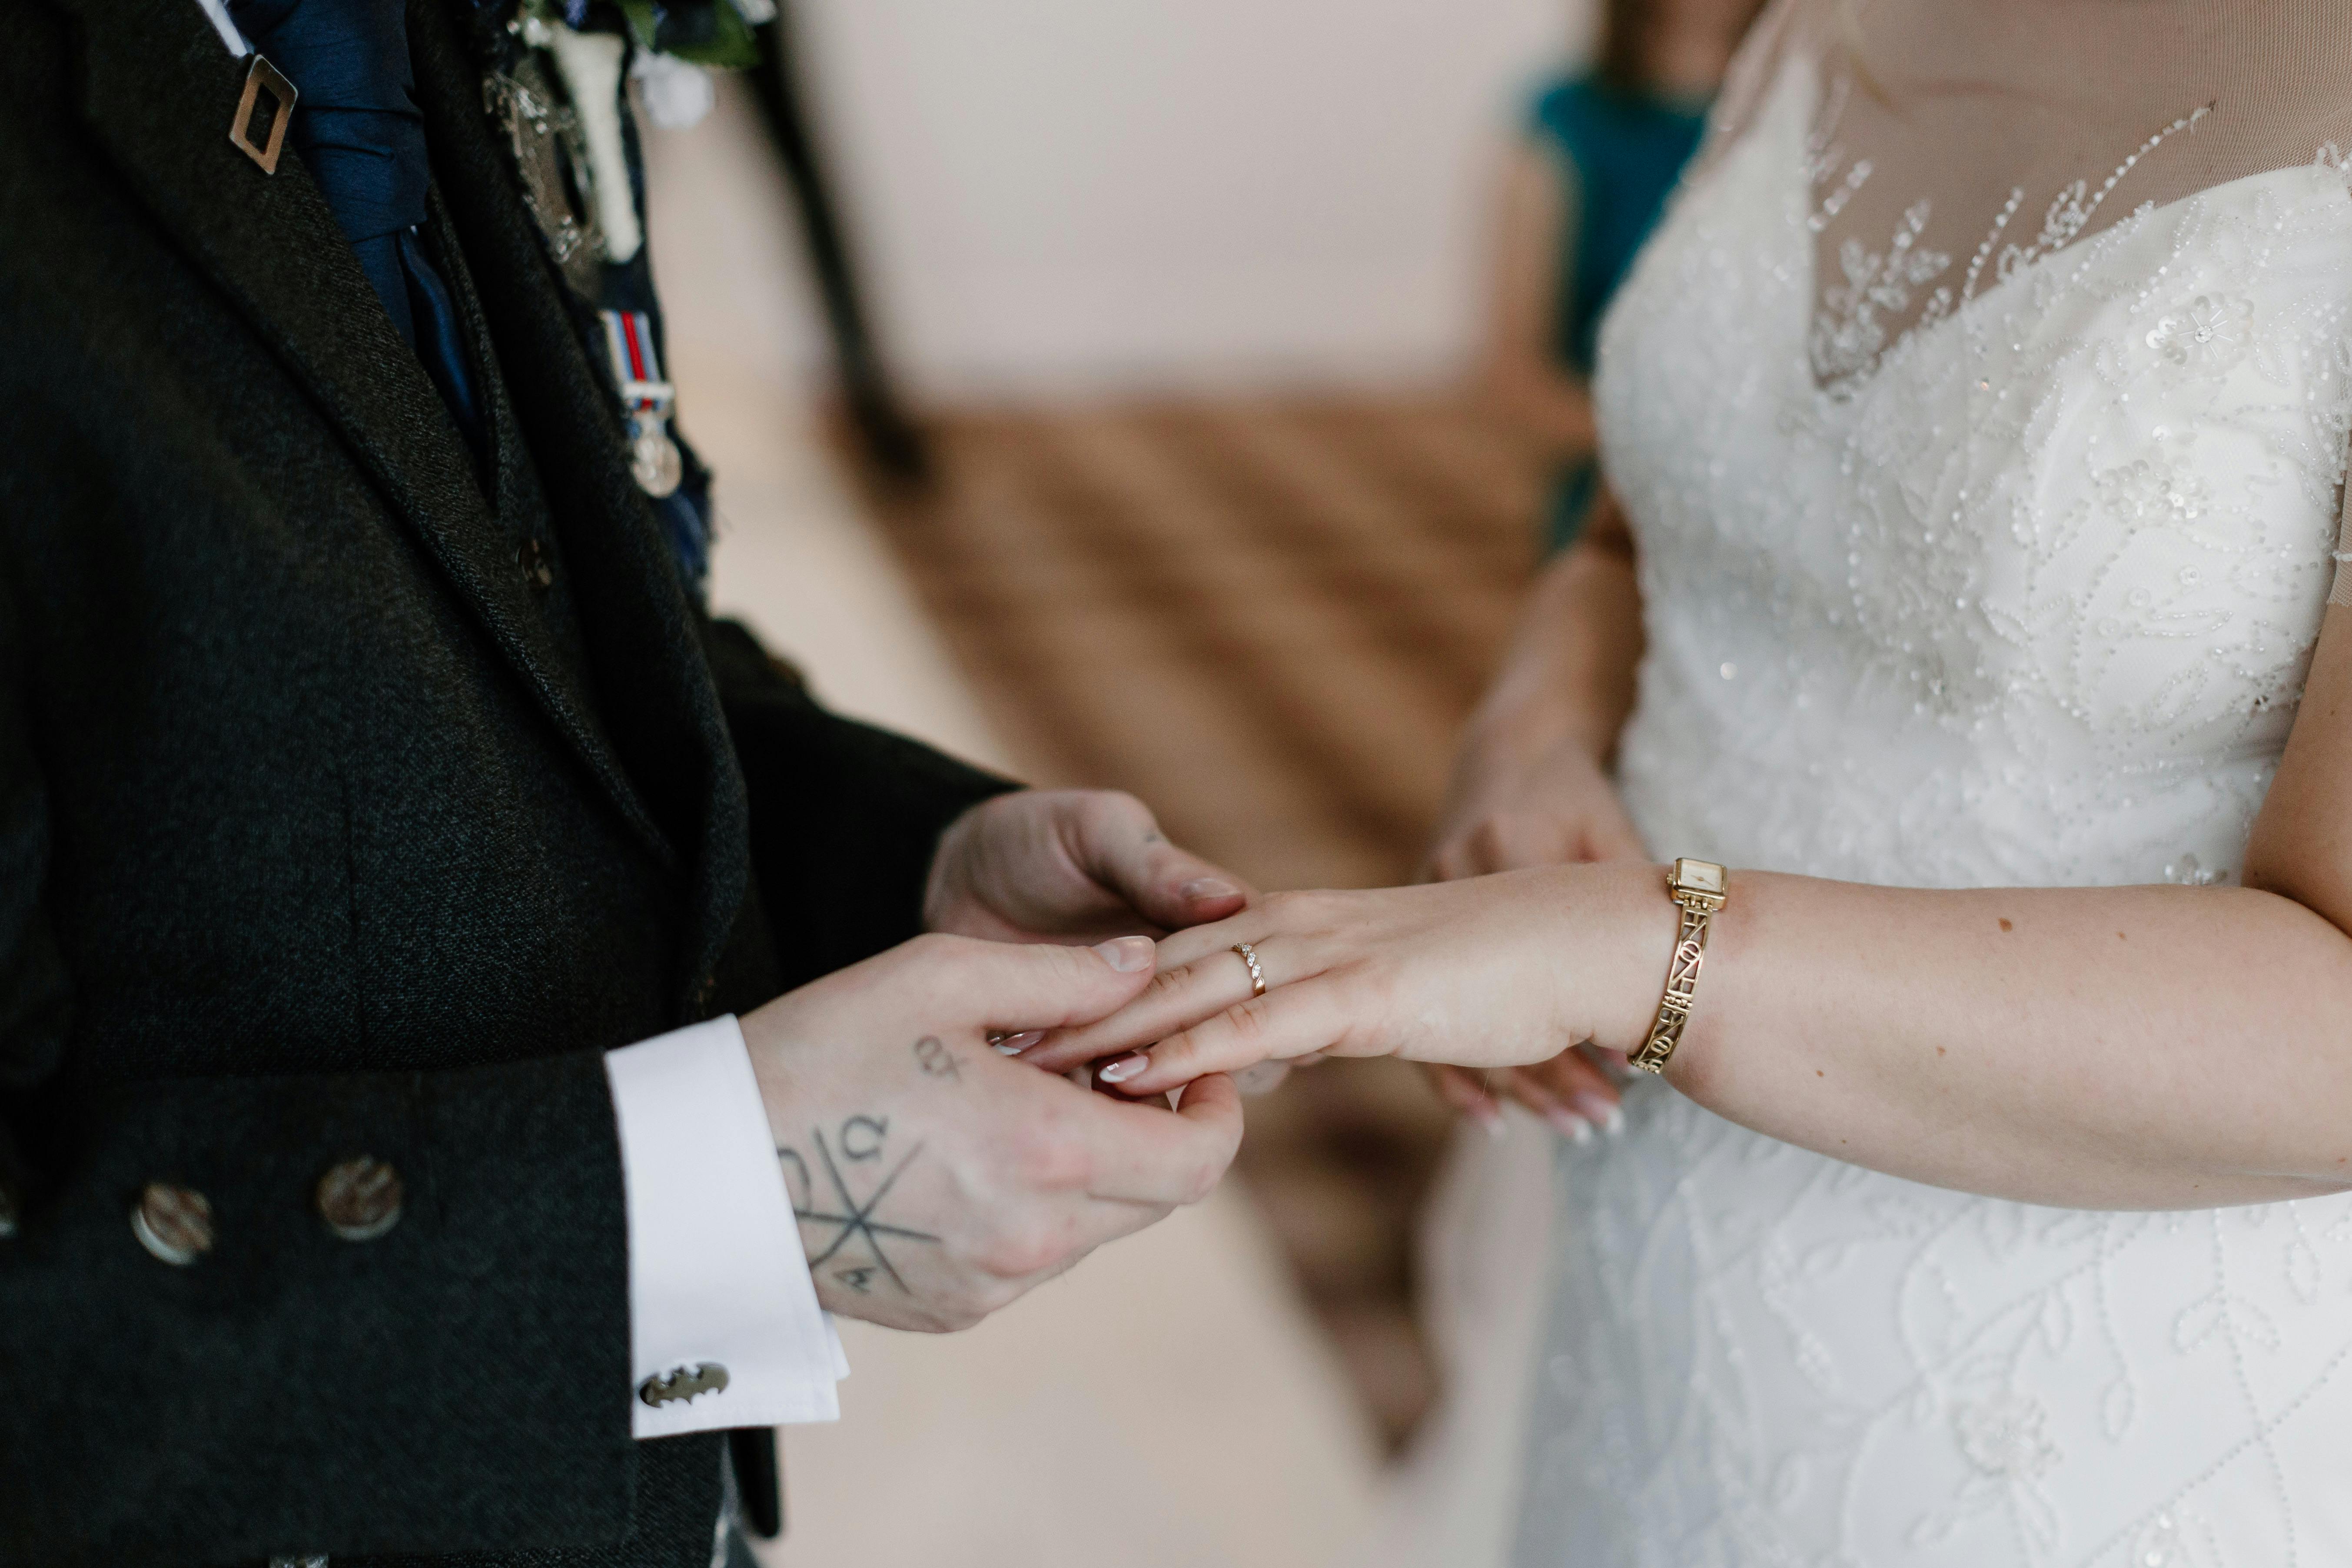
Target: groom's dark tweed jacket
[(324, 831)]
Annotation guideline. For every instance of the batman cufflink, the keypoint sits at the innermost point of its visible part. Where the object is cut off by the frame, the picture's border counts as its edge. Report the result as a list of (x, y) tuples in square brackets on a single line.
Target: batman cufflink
[(680, 1383)]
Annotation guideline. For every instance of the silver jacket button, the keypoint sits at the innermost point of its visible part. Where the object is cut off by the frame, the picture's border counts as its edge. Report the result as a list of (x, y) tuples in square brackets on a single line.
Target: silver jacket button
[(683, 1383), (175, 1224), (360, 1199)]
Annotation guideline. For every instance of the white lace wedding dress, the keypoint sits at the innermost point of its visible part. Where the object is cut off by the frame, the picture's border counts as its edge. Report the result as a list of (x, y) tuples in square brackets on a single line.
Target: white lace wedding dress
[(1981, 411)]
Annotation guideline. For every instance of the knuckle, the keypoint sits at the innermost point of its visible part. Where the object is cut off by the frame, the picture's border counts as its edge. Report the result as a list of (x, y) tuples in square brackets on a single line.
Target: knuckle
[(1250, 1020), (1167, 981), (1320, 911), (1046, 1161), (1018, 1251)]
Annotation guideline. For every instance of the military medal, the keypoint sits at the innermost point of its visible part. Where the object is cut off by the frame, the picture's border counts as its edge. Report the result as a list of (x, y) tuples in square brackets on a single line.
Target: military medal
[(645, 400), (557, 93)]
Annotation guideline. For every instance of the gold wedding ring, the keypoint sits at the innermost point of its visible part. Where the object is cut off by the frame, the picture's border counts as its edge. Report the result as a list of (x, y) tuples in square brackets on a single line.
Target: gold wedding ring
[(1257, 975)]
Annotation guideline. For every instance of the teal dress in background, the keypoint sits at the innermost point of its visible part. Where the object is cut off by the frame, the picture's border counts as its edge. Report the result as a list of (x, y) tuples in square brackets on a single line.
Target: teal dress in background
[(1619, 155)]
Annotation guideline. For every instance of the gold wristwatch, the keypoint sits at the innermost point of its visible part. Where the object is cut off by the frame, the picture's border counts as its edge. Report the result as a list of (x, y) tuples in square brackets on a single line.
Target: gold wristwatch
[(1698, 887)]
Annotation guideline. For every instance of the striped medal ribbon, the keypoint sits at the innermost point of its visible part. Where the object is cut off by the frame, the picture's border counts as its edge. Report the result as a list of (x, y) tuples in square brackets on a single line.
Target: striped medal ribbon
[(646, 400)]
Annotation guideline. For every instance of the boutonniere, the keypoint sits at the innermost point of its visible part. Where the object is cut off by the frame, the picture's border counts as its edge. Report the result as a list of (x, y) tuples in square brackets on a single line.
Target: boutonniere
[(713, 33), (555, 83)]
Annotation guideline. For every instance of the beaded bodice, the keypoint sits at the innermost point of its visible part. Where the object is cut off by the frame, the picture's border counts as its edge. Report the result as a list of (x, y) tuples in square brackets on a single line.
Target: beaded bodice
[(2024, 594)]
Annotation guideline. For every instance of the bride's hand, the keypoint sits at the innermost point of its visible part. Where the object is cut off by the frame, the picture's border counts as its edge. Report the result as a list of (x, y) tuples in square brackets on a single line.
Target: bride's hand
[(1508, 811), (1515, 801), (1491, 971)]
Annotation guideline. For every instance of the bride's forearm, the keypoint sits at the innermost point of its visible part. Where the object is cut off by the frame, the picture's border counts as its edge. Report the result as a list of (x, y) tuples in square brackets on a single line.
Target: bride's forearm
[(2127, 1048), (2149, 1047)]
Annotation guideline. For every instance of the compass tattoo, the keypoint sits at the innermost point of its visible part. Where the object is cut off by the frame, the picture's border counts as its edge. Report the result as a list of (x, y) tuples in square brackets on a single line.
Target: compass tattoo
[(846, 1233)]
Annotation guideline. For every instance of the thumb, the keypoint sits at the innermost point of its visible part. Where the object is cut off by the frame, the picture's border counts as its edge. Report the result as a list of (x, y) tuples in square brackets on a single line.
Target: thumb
[(1011, 986), (1124, 851)]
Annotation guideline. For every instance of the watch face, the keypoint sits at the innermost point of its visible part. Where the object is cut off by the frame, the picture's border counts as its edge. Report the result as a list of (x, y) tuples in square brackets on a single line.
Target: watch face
[(1698, 876)]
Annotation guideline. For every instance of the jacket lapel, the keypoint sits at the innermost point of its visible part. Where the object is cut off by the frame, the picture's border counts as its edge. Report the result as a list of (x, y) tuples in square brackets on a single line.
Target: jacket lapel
[(160, 92), (643, 635)]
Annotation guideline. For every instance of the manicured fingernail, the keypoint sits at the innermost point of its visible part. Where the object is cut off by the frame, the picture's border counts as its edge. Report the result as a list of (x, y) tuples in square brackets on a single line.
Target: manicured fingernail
[(1126, 1068), (1208, 887), (1126, 953), (1570, 1125), (1014, 1045), (1605, 1114)]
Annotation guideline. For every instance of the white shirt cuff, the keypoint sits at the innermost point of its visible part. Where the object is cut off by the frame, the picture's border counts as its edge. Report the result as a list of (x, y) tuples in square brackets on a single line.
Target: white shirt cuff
[(715, 1269)]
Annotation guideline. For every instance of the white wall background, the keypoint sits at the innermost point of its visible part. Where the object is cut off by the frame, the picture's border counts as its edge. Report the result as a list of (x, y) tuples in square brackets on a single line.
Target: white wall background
[(1086, 195)]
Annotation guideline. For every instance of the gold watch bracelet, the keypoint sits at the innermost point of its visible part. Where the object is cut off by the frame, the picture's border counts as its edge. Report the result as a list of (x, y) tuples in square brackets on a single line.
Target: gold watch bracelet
[(1698, 888)]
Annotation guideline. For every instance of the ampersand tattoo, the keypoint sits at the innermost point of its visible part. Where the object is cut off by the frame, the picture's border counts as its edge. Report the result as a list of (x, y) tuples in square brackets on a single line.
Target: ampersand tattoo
[(936, 1061)]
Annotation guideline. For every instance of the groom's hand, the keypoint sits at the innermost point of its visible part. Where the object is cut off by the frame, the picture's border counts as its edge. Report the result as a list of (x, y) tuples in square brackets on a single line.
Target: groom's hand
[(935, 1180), (1065, 865)]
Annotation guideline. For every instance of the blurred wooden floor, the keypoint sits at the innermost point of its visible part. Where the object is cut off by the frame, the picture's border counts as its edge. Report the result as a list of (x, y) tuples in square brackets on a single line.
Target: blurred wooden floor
[(1267, 619)]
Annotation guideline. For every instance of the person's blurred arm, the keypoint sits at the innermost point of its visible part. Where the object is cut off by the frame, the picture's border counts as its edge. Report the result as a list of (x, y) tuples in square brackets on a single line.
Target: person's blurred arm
[(1520, 374), (1530, 783)]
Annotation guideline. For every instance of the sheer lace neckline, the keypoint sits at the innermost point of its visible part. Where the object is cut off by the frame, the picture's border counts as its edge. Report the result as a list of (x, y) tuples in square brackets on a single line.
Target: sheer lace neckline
[(1953, 147)]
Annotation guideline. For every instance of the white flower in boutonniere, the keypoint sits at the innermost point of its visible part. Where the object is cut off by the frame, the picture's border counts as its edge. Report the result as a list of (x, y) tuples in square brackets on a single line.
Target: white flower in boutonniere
[(677, 93)]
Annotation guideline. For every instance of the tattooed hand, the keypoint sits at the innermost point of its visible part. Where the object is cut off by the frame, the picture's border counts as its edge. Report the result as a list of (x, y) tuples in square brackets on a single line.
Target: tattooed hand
[(936, 1179)]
